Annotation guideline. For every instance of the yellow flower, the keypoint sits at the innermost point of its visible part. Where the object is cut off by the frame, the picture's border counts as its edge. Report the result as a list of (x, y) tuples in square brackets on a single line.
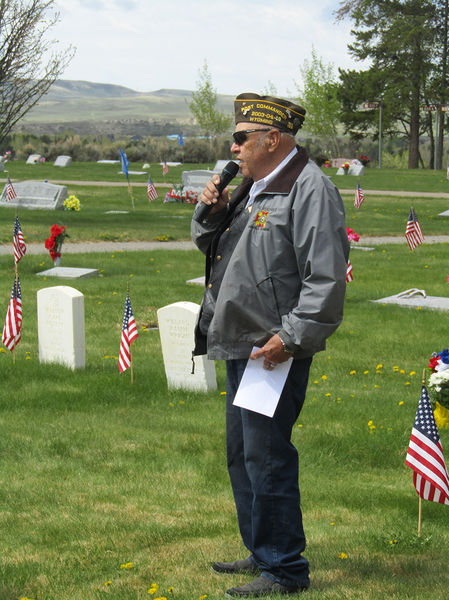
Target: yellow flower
[(153, 589), (365, 372), (353, 372), (402, 371), (108, 582), (128, 565), (342, 555), (222, 393), (315, 381), (412, 373), (379, 366), (203, 597), (327, 395), (299, 425), (332, 523), (401, 402), (324, 377), (376, 386), (395, 368), (170, 589), (27, 357)]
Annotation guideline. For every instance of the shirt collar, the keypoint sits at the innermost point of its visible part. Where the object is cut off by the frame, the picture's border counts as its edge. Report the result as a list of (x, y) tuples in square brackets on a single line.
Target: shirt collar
[(259, 185)]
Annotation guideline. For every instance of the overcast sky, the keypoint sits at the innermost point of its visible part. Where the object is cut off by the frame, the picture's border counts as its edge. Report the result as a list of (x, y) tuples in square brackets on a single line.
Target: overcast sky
[(151, 44)]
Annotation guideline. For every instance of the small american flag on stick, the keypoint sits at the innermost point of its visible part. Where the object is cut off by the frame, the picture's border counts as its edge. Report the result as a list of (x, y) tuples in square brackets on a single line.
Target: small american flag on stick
[(349, 276), (129, 334), (359, 196), (151, 190), (18, 242), (413, 232), (10, 191), (12, 329), (425, 455)]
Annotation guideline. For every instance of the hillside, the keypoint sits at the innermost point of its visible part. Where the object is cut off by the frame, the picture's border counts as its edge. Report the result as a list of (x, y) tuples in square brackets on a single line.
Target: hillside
[(88, 107)]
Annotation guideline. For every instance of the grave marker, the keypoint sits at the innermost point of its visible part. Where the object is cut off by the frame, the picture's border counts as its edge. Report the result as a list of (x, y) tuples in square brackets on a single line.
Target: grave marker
[(176, 329), (36, 195), (33, 159), (62, 161), (60, 323)]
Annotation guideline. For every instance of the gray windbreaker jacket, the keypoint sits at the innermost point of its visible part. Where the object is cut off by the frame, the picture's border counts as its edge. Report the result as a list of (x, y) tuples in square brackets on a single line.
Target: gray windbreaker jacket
[(282, 271)]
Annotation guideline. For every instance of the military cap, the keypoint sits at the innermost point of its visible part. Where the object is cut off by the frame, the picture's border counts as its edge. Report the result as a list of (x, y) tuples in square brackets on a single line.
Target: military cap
[(267, 110)]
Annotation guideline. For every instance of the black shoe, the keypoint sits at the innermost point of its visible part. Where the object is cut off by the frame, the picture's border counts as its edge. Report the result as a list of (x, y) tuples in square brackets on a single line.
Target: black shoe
[(262, 586), (245, 566)]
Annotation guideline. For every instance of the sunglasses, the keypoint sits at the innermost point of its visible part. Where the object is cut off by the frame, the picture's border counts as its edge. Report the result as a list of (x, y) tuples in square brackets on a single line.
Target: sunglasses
[(240, 137)]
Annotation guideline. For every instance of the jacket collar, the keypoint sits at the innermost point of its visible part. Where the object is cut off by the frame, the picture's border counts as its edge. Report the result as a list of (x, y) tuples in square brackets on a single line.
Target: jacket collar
[(283, 182)]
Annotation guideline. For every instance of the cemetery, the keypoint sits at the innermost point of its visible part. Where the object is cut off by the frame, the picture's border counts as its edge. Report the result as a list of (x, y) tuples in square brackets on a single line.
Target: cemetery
[(119, 472)]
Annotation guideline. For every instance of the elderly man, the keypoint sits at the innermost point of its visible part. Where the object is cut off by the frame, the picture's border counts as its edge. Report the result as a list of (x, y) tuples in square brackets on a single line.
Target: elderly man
[(276, 259)]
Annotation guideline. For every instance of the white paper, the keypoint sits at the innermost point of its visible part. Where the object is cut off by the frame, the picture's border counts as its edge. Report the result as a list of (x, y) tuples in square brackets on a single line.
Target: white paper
[(260, 389)]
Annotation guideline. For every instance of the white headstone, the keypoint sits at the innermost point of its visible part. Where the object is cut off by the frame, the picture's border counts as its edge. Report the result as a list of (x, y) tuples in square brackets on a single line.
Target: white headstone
[(357, 170), (176, 328), (68, 272), (60, 325), (36, 194), (62, 161), (33, 159)]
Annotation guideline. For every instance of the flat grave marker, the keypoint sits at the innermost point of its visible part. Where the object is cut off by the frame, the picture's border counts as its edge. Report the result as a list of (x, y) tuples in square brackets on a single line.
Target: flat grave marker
[(36, 195)]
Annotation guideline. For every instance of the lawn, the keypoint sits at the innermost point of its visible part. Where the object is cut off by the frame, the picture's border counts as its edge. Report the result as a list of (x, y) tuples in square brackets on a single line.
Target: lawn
[(108, 488), (418, 180), (378, 215), (119, 491)]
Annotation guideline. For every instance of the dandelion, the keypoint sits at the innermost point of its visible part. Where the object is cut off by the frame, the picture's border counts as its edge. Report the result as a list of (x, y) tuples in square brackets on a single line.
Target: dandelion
[(332, 523), (365, 372), (170, 589), (170, 404), (181, 402), (342, 555), (153, 588), (353, 372), (379, 366), (376, 386), (131, 274), (412, 373), (396, 368), (324, 377), (315, 382), (203, 597), (401, 402), (299, 425), (28, 358), (114, 293), (402, 371), (327, 395), (128, 565), (394, 541), (222, 393), (108, 582)]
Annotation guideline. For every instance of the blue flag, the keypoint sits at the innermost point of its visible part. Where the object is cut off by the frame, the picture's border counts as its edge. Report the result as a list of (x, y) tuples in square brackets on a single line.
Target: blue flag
[(124, 162), (180, 139)]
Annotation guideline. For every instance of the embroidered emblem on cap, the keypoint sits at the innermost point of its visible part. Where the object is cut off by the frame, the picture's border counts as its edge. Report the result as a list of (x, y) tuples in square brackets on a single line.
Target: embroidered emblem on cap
[(261, 219)]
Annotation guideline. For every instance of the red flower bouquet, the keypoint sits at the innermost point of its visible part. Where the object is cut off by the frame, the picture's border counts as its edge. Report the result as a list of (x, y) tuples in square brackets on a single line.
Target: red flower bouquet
[(54, 242)]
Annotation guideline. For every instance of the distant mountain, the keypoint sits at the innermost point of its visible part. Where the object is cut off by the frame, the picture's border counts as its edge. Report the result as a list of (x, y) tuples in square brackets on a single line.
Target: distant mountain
[(98, 107)]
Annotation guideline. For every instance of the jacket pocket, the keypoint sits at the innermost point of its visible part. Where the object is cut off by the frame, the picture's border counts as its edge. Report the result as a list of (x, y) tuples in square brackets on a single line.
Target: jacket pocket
[(266, 294)]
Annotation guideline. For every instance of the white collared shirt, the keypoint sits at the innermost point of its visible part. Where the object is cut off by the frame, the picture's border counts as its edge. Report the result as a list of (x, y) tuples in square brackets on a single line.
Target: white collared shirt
[(259, 185)]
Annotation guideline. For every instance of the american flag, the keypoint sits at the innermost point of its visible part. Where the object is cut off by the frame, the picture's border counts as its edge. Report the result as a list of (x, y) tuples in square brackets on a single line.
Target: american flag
[(129, 334), (349, 276), (164, 168), (18, 242), (10, 191), (359, 196), (425, 455), (151, 190), (12, 329), (413, 233)]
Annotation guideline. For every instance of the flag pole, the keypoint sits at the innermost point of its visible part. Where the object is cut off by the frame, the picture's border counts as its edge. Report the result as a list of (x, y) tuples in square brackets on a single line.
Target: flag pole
[(423, 382), (130, 192), (130, 352)]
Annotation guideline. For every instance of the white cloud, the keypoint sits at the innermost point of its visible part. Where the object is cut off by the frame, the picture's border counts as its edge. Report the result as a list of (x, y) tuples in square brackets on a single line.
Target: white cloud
[(152, 44)]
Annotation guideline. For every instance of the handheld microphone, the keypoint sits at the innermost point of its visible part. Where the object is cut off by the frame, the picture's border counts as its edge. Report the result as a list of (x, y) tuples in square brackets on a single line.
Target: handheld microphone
[(228, 173)]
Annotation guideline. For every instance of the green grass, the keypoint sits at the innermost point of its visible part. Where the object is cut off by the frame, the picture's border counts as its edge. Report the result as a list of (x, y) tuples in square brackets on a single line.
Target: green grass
[(418, 180), (93, 171), (96, 473), (379, 215)]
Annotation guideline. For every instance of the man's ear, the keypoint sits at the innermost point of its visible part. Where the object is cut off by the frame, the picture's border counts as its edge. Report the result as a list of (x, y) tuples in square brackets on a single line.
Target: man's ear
[(273, 140)]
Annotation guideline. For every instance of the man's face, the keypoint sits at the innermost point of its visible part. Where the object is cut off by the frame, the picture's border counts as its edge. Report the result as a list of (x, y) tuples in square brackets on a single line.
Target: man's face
[(252, 153)]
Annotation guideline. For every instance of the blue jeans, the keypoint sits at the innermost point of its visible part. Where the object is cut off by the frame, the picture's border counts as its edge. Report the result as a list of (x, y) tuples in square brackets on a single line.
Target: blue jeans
[(263, 468)]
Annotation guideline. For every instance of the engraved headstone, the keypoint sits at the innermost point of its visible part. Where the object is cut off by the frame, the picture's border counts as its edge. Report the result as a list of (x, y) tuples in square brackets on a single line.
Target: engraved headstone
[(176, 328), (36, 194), (60, 324), (62, 161), (33, 159), (195, 181)]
